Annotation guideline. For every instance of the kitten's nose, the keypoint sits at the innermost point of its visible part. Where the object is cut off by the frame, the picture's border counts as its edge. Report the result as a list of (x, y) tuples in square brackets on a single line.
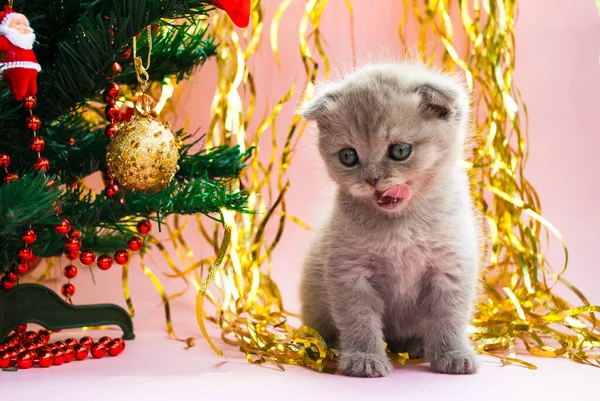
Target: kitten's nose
[(372, 181)]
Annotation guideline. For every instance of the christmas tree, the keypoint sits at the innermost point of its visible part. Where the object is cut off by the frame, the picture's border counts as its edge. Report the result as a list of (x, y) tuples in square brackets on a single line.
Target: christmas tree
[(95, 60)]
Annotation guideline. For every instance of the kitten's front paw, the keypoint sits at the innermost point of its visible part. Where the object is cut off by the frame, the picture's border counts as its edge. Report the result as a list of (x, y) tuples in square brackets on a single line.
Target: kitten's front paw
[(362, 364), (459, 362)]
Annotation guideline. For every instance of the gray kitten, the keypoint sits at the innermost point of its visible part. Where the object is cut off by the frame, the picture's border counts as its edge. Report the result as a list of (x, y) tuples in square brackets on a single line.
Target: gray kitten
[(398, 258)]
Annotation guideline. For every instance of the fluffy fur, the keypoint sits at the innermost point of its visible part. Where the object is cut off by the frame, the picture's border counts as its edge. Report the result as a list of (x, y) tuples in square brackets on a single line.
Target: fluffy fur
[(405, 273)]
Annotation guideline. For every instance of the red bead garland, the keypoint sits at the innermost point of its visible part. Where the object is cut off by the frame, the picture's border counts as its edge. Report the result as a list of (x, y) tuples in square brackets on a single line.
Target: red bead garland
[(144, 227), (24, 349), (29, 236), (104, 262), (121, 257), (87, 257), (70, 272), (135, 244)]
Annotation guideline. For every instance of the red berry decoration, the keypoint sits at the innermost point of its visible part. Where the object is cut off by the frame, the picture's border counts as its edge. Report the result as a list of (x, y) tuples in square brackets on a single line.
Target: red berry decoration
[(87, 257), (59, 356), (75, 233), (4, 360), (33, 123), (121, 343), (113, 90), (144, 227), (6, 285), (69, 354), (4, 160), (111, 190), (25, 360), (86, 342), (23, 268), (72, 255), (135, 244), (116, 67), (71, 141), (81, 352), (114, 348), (98, 350), (41, 164), (25, 254), (37, 144), (112, 112), (29, 236), (44, 334), (126, 54), (73, 244), (104, 262), (46, 359), (104, 340), (110, 130), (68, 290), (121, 257), (22, 328), (29, 336), (10, 177), (30, 102), (64, 227), (70, 272), (12, 277)]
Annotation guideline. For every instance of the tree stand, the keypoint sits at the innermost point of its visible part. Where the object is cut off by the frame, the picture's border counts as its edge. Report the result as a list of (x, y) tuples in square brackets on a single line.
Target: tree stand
[(34, 303)]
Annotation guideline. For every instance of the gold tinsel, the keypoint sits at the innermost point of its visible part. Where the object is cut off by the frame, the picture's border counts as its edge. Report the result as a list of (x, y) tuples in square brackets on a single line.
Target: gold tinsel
[(518, 302)]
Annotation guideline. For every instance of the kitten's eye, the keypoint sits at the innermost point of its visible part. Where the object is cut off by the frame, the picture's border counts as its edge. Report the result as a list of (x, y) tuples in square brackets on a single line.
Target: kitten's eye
[(400, 151), (348, 157)]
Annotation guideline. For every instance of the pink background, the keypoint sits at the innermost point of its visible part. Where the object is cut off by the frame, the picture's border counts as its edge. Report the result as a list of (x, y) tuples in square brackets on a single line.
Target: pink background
[(558, 72)]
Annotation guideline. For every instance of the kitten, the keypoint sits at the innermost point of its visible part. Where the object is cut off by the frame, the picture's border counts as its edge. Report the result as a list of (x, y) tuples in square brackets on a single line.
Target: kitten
[(398, 258)]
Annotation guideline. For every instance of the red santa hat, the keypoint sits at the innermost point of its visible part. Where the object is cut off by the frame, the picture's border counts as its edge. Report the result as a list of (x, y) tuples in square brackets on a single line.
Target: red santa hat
[(5, 15)]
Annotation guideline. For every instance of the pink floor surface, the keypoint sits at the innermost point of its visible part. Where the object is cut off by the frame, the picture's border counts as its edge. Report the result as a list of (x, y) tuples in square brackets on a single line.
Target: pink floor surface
[(156, 368)]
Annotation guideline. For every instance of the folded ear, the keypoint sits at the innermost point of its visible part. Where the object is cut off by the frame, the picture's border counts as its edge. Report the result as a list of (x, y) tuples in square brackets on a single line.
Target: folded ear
[(318, 105), (438, 101)]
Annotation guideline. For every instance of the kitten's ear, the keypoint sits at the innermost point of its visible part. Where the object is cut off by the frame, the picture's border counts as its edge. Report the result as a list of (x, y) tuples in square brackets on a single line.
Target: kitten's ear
[(438, 101), (317, 106)]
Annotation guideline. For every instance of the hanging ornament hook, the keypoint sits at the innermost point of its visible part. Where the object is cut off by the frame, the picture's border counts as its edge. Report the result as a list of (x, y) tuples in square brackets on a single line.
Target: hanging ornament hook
[(145, 104)]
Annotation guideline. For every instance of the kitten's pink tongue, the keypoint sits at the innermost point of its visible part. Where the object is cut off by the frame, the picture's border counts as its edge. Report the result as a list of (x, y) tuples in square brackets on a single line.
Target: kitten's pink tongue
[(401, 191)]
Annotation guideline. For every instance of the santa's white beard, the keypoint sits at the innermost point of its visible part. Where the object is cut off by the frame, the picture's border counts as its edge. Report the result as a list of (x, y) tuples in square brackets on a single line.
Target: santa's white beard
[(24, 41)]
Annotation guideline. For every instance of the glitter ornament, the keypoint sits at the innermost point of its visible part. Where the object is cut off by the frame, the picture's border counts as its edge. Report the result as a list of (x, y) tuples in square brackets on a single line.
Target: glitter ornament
[(143, 154), (30, 102), (41, 164)]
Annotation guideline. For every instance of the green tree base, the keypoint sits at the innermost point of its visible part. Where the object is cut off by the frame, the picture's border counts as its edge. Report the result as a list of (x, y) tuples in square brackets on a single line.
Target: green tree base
[(34, 303)]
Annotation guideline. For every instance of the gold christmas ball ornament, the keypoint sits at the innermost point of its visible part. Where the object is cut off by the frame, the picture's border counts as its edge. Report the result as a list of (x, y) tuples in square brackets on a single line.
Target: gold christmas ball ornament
[(143, 154)]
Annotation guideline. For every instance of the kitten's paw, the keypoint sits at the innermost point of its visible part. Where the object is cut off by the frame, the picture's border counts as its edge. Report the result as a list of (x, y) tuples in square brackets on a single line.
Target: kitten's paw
[(412, 345), (459, 362), (362, 364)]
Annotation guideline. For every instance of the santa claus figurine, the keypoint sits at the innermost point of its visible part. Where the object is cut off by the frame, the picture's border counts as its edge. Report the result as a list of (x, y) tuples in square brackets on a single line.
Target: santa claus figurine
[(19, 65)]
